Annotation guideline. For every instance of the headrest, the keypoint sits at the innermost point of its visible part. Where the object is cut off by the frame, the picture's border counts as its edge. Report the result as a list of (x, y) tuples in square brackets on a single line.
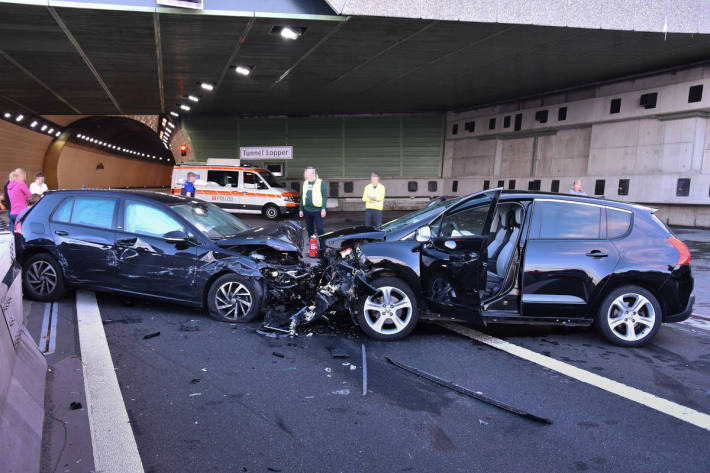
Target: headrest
[(519, 215)]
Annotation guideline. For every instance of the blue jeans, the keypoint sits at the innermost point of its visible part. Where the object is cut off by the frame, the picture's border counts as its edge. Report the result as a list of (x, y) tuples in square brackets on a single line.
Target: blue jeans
[(11, 219), (313, 219), (373, 218)]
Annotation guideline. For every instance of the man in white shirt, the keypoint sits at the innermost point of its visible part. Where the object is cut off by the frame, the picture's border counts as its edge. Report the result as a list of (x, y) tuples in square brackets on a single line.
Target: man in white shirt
[(38, 186), (577, 188)]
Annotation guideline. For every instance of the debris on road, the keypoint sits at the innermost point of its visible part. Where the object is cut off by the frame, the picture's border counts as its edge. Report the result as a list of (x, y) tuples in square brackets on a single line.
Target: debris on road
[(195, 394), (280, 355), (341, 392), (194, 380), (364, 370), (339, 352), (466, 392), (190, 326), (75, 406), (151, 335)]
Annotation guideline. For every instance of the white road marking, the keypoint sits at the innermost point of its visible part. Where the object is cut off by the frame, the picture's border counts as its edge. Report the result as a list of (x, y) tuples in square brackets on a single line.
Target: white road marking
[(43, 340), (652, 401), (114, 446), (696, 322), (53, 329)]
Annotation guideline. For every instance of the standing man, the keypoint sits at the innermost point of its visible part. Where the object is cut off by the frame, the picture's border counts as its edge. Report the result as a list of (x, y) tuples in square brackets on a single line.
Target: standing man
[(374, 198), (188, 189), (577, 188), (38, 186), (314, 198)]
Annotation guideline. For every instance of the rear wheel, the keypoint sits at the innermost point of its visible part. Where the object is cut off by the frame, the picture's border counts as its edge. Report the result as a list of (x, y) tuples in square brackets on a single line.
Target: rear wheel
[(42, 278), (271, 211), (629, 316), (233, 298), (391, 313)]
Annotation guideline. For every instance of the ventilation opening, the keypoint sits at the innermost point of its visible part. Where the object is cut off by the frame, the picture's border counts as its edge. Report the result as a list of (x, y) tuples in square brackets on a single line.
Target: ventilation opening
[(455, 186), (506, 122), (470, 127), (555, 185), (599, 185), (333, 189), (649, 100), (534, 185), (492, 124), (501, 183), (562, 114), (432, 186), (486, 185), (695, 93), (511, 184), (412, 186), (518, 122), (615, 106), (455, 129), (348, 187), (682, 188), (623, 187), (541, 116)]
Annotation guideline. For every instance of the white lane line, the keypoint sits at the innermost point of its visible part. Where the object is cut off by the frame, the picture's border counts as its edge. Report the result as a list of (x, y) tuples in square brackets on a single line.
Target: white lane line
[(114, 446), (53, 329), (652, 401), (43, 340)]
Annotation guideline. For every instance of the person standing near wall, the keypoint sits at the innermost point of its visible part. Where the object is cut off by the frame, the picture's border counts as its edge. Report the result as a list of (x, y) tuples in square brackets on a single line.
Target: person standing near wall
[(188, 189), (314, 198), (38, 186), (577, 188), (374, 198), (18, 192)]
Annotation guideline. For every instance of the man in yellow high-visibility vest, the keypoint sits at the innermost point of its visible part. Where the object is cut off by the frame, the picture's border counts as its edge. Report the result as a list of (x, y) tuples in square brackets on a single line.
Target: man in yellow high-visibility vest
[(314, 198), (374, 198)]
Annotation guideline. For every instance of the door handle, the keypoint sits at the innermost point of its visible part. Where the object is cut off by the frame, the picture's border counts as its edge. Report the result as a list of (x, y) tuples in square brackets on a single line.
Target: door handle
[(126, 242), (597, 254), (61, 232)]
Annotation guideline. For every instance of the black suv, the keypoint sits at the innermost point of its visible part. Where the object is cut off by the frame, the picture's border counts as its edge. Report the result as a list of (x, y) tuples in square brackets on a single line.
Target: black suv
[(156, 245), (533, 258)]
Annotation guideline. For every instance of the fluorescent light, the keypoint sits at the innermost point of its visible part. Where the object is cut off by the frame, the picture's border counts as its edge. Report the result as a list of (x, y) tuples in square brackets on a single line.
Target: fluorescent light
[(288, 33), (175, 114), (171, 124), (79, 136), (193, 98), (243, 70), (50, 131), (33, 124), (19, 118), (58, 133), (207, 86), (184, 107), (44, 127), (7, 115)]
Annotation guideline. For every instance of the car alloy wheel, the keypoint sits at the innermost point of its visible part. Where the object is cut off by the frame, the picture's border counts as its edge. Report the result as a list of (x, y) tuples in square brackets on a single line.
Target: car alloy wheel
[(631, 317), (233, 300), (388, 311), (42, 278)]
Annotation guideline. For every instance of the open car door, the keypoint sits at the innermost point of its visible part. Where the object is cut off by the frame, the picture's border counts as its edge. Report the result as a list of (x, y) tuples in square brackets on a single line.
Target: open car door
[(454, 260)]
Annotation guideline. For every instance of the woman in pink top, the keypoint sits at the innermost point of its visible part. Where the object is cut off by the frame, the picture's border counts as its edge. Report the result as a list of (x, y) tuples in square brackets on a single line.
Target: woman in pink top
[(18, 192)]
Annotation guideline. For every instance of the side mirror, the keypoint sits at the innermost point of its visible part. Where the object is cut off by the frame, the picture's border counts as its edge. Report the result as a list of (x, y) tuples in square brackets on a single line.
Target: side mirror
[(423, 234), (176, 236)]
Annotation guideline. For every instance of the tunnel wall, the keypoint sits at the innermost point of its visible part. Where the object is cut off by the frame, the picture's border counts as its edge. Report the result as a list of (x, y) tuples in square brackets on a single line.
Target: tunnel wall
[(21, 148), (79, 166)]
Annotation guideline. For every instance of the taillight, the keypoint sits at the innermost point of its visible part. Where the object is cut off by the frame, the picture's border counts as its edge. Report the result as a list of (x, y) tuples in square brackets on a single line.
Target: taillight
[(18, 227), (683, 253)]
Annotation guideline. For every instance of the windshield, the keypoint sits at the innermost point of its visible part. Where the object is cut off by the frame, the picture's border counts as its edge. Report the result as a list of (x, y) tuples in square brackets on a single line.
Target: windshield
[(270, 179), (420, 216), (211, 220)]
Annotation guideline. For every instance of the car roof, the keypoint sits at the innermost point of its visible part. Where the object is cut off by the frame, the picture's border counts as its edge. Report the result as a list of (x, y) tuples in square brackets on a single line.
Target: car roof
[(161, 197), (511, 194)]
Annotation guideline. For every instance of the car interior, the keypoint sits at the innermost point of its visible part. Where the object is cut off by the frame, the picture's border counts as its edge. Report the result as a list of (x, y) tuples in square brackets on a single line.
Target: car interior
[(505, 232)]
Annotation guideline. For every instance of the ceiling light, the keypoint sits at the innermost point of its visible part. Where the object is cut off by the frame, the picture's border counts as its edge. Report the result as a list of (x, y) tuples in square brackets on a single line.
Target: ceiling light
[(184, 107), (175, 114), (207, 86), (50, 131), (289, 33), (58, 133), (171, 124), (79, 136), (19, 118), (7, 115), (33, 124), (193, 98), (243, 70), (44, 127)]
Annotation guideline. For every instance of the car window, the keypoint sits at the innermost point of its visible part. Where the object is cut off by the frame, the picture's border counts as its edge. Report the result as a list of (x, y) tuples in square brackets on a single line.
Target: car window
[(467, 220), (145, 219), (420, 216), (63, 212), (568, 220), (617, 222), (252, 180), (93, 212), (223, 178)]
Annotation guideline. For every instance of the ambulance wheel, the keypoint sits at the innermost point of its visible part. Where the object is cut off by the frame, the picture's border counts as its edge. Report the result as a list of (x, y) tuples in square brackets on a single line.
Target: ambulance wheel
[(271, 212)]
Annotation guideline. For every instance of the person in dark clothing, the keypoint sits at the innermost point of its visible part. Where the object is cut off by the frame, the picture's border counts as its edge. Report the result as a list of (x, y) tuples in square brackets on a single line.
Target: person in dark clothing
[(314, 197)]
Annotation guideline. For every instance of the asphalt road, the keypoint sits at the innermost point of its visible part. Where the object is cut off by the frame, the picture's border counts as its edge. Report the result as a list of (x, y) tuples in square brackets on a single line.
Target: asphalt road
[(225, 399)]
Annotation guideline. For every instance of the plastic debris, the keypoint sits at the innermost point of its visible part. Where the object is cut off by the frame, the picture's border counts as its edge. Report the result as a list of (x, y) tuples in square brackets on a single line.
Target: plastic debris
[(353, 367), (328, 370), (280, 355), (194, 380), (364, 370), (482, 422), (75, 406), (151, 335), (339, 353), (190, 326), (341, 392), (195, 394)]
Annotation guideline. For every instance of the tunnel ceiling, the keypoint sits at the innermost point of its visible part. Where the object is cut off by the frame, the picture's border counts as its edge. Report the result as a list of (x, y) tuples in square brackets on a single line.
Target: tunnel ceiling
[(82, 61)]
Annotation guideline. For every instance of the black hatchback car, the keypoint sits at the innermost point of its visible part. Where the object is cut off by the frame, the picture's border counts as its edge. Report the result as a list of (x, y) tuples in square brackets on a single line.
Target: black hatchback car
[(155, 245), (531, 258)]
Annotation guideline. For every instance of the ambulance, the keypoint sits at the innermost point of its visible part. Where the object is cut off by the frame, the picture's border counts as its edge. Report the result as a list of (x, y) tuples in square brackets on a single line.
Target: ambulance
[(237, 188)]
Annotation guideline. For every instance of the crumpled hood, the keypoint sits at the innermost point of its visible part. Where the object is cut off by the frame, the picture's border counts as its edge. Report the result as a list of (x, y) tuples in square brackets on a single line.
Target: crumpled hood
[(335, 239), (282, 236)]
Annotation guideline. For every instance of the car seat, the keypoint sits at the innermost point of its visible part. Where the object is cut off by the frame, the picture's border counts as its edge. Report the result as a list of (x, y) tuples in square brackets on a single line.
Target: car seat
[(495, 279), (502, 234)]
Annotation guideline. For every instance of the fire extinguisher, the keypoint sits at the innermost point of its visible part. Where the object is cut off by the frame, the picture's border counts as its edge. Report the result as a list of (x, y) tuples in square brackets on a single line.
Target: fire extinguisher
[(313, 246)]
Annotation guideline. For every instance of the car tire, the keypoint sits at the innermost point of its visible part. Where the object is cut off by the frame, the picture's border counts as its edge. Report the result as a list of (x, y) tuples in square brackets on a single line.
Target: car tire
[(42, 278), (271, 211), (629, 316), (233, 298), (383, 321)]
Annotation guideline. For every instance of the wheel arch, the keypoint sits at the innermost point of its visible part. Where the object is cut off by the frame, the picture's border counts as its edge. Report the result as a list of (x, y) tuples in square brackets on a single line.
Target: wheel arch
[(208, 284), (616, 281)]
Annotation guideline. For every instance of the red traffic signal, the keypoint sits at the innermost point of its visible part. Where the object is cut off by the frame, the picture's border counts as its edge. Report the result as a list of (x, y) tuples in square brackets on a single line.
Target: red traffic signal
[(183, 150)]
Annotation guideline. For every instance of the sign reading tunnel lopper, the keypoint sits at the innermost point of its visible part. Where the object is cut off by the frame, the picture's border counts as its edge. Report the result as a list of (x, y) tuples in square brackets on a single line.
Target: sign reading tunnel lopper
[(266, 152)]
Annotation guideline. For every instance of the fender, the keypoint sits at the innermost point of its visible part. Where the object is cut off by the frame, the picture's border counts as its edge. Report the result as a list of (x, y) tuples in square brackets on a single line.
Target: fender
[(401, 258)]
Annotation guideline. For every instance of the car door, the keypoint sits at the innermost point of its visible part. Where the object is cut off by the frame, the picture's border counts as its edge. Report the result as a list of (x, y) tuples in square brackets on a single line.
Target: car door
[(147, 263), (83, 231), (566, 255), (454, 261)]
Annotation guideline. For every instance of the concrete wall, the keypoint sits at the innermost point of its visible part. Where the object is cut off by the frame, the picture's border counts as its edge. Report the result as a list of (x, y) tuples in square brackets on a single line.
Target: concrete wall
[(22, 374), (21, 148)]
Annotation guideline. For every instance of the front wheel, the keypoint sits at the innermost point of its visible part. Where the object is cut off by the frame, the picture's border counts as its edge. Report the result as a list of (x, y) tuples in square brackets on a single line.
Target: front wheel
[(271, 211), (629, 316), (233, 298), (391, 313), (42, 278)]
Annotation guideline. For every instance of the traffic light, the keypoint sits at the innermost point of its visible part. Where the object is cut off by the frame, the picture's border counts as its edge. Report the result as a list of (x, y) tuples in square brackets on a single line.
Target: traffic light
[(183, 150)]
